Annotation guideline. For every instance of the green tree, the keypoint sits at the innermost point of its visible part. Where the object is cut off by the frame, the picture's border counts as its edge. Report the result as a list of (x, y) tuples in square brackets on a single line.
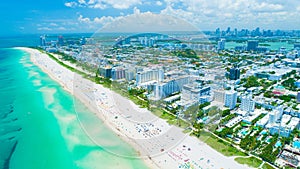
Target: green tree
[(251, 81), (192, 113), (225, 131), (268, 94), (225, 112), (289, 83), (201, 106)]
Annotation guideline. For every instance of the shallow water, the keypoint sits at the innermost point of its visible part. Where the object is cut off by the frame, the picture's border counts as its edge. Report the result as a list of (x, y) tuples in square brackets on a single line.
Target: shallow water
[(39, 127)]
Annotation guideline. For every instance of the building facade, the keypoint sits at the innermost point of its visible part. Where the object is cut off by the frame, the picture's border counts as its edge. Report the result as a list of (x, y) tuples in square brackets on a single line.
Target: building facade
[(149, 75), (129, 74), (221, 44), (195, 92), (105, 71), (167, 88), (234, 73), (227, 97), (247, 103), (230, 99), (117, 73), (252, 45)]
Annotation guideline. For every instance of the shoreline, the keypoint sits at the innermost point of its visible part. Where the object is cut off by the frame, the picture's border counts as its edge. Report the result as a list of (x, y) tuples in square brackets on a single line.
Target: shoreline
[(164, 146), (134, 145)]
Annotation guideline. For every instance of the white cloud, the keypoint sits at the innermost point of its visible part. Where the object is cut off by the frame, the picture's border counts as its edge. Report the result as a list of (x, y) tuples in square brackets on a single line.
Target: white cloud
[(136, 22), (266, 7), (104, 20), (91, 2), (53, 24), (124, 4), (44, 29), (84, 20), (228, 15), (93, 24), (81, 2), (102, 4), (61, 28), (147, 22), (136, 10), (239, 13), (98, 5), (71, 4), (158, 3), (55, 27), (201, 13), (180, 13)]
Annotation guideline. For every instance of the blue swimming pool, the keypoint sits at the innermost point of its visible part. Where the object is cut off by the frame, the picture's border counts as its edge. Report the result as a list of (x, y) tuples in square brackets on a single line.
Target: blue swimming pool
[(263, 132), (205, 118), (278, 144), (244, 132), (296, 144)]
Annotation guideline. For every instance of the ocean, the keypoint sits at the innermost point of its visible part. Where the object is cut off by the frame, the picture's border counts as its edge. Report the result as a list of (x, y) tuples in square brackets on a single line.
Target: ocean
[(39, 128)]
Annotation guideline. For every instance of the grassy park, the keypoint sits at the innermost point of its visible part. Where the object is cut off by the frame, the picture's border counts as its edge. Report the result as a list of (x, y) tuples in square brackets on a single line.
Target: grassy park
[(219, 145), (250, 161)]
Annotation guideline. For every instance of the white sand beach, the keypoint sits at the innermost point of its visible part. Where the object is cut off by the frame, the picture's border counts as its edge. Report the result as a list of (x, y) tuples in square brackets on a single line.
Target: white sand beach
[(158, 143)]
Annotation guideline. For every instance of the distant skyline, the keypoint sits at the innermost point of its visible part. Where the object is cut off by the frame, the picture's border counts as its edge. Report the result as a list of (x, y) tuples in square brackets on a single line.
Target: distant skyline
[(76, 16)]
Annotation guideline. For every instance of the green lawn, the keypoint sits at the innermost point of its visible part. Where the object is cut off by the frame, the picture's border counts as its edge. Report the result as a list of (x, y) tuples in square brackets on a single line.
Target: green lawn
[(219, 145), (267, 166), (250, 161), (156, 111), (171, 119)]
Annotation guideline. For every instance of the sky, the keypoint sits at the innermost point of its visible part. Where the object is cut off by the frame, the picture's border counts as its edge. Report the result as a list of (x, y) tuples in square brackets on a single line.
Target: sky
[(72, 16)]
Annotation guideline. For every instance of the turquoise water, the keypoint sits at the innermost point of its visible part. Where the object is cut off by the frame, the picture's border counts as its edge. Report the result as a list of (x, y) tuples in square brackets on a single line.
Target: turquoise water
[(273, 45), (296, 144), (278, 144), (244, 132), (205, 118), (39, 127), (263, 132)]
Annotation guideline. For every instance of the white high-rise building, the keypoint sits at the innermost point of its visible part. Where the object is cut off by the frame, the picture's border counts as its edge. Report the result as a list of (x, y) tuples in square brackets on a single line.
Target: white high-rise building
[(149, 75), (219, 96), (247, 103), (272, 117), (275, 115), (129, 74), (43, 41), (230, 99), (227, 97), (194, 92), (117, 73), (221, 44), (166, 88)]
